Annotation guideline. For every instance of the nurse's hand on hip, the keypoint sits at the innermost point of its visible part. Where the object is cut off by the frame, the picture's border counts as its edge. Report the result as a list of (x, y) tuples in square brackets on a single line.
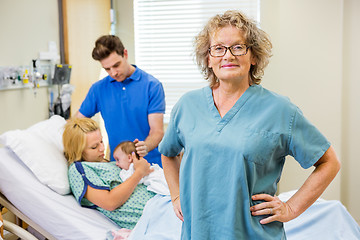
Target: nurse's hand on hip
[(272, 206)]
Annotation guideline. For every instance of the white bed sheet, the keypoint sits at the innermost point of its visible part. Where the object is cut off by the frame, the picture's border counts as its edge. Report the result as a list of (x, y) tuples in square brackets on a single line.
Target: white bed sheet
[(62, 217), (325, 219)]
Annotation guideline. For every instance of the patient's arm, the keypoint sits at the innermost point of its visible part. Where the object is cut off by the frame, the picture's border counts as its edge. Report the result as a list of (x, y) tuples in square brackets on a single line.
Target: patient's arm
[(171, 166), (116, 197)]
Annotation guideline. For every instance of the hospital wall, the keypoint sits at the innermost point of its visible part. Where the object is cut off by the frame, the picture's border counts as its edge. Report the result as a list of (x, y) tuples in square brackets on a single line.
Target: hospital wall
[(26, 27), (307, 67), (315, 63), (350, 185)]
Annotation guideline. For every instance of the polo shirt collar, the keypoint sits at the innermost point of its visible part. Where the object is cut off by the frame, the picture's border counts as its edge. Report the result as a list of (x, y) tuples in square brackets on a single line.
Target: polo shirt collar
[(134, 77)]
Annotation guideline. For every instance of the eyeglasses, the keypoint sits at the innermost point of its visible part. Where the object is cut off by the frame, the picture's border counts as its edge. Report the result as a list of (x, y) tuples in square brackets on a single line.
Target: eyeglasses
[(236, 50)]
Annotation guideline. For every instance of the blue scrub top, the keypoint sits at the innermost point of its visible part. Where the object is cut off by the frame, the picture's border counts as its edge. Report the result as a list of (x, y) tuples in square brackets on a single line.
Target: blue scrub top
[(125, 107), (227, 160)]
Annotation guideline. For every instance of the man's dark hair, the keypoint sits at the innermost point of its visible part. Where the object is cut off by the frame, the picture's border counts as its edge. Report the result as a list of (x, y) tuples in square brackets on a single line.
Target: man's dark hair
[(105, 45)]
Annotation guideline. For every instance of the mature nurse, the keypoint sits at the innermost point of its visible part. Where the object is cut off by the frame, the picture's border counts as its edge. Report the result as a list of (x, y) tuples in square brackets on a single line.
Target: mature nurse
[(235, 135)]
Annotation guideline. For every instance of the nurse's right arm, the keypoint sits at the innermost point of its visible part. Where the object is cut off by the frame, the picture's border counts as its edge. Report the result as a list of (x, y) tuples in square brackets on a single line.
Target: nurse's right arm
[(171, 166)]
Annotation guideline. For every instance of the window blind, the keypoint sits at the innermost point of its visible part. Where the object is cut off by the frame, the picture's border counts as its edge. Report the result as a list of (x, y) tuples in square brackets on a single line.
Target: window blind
[(164, 35)]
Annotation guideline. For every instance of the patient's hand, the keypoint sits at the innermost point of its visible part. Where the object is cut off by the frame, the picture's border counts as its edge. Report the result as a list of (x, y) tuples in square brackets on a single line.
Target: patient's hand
[(272, 206), (141, 166)]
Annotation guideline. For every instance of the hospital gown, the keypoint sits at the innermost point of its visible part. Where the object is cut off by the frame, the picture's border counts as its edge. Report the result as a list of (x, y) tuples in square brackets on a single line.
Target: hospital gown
[(102, 175), (227, 160)]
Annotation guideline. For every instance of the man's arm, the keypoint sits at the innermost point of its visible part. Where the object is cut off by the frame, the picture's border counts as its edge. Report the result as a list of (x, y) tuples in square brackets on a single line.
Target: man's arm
[(78, 115), (156, 123)]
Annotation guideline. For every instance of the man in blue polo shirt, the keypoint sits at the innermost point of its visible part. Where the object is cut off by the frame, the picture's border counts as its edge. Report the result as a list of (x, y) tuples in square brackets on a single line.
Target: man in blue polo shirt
[(131, 101)]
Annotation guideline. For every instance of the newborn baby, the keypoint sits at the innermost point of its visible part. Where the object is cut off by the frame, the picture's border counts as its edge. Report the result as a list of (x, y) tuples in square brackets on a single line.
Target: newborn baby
[(155, 181)]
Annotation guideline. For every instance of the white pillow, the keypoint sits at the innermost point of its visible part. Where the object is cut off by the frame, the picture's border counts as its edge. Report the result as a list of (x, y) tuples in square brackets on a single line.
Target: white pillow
[(40, 148)]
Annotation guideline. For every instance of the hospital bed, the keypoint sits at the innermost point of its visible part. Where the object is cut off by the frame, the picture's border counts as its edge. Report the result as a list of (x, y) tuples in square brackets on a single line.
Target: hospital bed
[(59, 216)]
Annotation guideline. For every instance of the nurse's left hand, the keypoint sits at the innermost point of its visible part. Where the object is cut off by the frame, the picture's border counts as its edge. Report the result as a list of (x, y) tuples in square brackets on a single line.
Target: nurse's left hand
[(141, 148), (272, 206)]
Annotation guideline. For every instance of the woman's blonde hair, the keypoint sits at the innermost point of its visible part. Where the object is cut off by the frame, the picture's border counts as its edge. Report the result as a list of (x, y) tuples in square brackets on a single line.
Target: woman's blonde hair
[(255, 38), (74, 137)]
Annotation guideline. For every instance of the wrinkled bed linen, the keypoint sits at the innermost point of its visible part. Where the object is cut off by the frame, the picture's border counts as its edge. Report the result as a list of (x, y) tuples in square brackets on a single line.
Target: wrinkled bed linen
[(158, 222), (325, 219)]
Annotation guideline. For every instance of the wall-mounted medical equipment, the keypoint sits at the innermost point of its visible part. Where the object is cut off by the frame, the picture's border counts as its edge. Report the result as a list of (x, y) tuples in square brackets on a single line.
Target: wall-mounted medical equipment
[(62, 74), (33, 76), (60, 104), (42, 72), (38, 73)]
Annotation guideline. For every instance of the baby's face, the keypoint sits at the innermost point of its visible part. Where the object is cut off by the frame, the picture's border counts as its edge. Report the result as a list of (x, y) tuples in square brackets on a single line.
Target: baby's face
[(123, 160)]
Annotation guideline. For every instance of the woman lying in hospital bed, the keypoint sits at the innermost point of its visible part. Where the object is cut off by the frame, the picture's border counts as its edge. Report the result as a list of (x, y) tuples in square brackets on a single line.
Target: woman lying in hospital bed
[(32, 162), (96, 182)]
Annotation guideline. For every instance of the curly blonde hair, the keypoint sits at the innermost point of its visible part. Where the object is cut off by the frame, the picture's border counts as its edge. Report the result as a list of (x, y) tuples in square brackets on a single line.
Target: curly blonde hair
[(74, 137), (255, 38)]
